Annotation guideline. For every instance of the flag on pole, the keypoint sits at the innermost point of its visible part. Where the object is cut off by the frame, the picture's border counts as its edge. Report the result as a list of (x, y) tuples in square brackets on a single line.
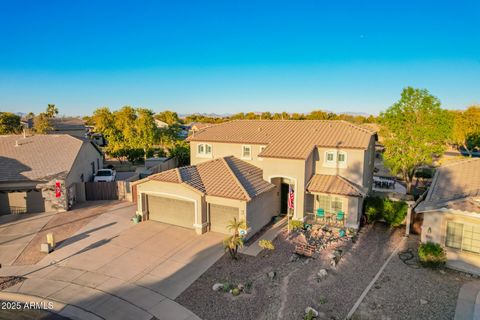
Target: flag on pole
[(290, 197)]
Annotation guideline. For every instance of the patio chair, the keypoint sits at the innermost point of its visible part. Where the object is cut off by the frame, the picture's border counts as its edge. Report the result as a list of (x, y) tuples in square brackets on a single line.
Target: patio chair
[(340, 217), (321, 213)]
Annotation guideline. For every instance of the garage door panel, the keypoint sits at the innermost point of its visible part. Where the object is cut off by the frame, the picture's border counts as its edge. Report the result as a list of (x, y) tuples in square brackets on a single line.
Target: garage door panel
[(171, 211), (220, 217)]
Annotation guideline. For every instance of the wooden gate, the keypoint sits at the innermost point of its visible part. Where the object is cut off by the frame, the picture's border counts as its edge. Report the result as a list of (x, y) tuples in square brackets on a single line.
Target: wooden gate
[(102, 190)]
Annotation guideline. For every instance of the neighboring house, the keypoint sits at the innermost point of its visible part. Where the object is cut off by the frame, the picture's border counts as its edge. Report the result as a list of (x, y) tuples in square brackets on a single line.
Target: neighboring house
[(39, 173), (69, 125), (451, 213), (195, 127), (161, 124), (245, 168)]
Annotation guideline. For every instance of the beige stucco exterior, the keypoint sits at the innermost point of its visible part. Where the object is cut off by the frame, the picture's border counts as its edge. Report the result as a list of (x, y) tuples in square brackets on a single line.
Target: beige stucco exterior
[(358, 169), (434, 229)]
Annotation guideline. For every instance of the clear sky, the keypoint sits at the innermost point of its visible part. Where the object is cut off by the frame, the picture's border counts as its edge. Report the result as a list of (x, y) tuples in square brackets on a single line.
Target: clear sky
[(230, 56)]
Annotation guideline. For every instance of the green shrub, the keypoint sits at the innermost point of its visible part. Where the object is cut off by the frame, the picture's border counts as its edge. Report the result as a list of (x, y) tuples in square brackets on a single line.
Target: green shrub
[(295, 225), (425, 173), (392, 212), (235, 292), (266, 244), (226, 287), (309, 315), (431, 255)]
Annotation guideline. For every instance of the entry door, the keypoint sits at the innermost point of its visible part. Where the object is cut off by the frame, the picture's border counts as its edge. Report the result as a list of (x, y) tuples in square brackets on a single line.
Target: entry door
[(284, 198)]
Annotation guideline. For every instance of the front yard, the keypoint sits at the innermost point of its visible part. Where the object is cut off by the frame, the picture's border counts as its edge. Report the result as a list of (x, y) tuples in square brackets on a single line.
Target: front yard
[(297, 285)]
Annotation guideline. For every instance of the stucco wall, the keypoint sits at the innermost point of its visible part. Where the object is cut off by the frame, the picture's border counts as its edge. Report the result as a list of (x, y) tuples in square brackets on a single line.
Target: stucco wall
[(176, 191), (225, 149), (434, 229), (369, 165), (352, 170), (260, 211), (82, 164)]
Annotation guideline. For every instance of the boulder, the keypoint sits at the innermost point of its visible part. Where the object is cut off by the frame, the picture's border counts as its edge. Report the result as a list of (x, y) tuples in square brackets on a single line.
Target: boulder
[(322, 274), (217, 286), (241, 287), (423, 302), (272, 275), (313, 311)]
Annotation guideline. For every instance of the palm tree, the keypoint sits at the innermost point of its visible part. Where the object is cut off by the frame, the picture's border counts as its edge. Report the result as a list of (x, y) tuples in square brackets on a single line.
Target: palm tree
[(235, 241)]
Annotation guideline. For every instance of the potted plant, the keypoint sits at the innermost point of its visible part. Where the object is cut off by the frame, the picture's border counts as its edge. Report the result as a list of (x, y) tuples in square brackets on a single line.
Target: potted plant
[(137, 218)]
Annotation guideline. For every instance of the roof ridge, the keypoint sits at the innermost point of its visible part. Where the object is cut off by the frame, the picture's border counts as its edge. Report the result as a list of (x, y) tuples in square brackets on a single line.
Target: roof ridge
[(351, 183), (223, 159), (179, 176)]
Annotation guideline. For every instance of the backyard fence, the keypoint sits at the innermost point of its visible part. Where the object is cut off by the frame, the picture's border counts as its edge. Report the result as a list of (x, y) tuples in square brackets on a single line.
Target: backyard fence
[(115, 190)]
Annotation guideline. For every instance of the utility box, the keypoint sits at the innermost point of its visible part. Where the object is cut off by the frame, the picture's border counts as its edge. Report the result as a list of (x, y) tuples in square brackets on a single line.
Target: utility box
[(45, 247), (51, 240)]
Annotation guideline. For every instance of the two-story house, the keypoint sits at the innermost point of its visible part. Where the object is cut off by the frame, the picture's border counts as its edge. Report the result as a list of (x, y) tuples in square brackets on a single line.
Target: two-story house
[(245, 169)]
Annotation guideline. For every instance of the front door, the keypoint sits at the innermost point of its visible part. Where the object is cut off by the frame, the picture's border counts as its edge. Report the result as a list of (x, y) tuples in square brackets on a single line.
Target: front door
[(284, 198)]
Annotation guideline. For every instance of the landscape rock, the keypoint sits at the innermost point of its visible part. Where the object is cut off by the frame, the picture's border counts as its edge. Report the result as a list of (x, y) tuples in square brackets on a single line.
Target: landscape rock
[(423, 301), (272, 275), (333, 263), (322, 274), (217, 286), (241, 287), (313, 311)]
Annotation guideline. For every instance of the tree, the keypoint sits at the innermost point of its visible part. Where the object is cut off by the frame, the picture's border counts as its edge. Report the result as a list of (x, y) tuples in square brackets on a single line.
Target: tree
[(415, 129), (145, 129), (235, 241), (168, 117), (9, 123), (42, 123), (466, 129), (181, 151), (52, 111)]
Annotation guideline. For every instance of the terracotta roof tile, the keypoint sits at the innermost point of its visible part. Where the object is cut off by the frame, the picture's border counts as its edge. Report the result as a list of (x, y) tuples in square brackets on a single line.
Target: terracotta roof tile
[(459, 180), (288, 138), (329, 184), (227, 177)]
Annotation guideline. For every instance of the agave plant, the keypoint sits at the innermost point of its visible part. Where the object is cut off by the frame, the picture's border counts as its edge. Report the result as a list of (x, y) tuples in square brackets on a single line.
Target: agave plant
[(235, 241)]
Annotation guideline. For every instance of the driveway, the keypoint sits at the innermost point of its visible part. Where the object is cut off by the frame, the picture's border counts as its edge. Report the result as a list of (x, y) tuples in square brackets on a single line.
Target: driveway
[(16, 231), (113, 264)]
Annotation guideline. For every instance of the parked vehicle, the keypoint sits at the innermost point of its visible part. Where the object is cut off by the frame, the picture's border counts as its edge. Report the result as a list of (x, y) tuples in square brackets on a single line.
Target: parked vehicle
[(475, 153), (105, 175)]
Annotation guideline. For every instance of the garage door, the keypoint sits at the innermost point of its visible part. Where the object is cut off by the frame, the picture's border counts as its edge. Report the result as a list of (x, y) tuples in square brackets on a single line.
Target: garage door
[(220, 217), (171, 211)]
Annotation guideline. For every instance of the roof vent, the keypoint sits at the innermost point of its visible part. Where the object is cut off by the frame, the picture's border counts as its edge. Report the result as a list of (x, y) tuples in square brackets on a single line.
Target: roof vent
[(259, 129)]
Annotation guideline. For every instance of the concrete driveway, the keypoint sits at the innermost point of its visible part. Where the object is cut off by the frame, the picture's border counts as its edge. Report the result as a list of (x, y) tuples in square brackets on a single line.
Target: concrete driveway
[(16, 231), (113, 269), (161, 257)]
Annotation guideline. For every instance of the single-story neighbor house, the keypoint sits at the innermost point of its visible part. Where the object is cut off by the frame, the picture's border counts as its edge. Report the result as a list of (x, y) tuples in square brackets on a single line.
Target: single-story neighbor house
[(69, 125), (451, 213), (250, 168), (38, 173)]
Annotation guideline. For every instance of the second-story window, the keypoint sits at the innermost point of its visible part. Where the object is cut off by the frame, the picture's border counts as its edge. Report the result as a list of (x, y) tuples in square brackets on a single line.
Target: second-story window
[(330, 157), (342, 157), (246, 152), (204, 150)]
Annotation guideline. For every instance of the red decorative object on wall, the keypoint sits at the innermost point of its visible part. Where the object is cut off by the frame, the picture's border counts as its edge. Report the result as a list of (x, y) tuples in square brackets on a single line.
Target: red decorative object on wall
[(58, 189)]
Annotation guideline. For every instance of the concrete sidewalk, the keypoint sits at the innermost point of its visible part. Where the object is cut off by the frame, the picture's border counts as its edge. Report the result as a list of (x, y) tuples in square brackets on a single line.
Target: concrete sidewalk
[(254, 249), (78, 294)]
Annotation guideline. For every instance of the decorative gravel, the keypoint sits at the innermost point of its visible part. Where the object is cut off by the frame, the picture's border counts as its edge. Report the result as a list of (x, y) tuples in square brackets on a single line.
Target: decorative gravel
[(296, 284), (411, 292)]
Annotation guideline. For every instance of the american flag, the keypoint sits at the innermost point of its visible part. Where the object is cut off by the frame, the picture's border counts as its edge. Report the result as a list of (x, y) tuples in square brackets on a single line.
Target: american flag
[(290, 197)]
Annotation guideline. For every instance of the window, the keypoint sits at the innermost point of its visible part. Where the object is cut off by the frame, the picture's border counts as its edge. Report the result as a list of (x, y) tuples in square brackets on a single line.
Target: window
[(463, 236), (204, 150), (329, 203), (93, 167), (330, 156), (261, 150), (246, 152), (342, 157)]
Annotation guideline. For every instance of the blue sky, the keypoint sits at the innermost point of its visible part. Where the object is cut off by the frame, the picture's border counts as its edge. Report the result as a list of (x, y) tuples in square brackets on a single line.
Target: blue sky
[(232, 56)]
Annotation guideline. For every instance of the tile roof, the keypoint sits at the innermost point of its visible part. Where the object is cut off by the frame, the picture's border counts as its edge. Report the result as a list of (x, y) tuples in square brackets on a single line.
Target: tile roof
[(329, 184), (226, 177), (293, 139), (38, 157), (459, 180)]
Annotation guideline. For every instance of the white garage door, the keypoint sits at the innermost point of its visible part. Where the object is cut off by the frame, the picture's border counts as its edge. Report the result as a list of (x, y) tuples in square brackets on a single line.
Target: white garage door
[(171, 211), (220, 217)]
